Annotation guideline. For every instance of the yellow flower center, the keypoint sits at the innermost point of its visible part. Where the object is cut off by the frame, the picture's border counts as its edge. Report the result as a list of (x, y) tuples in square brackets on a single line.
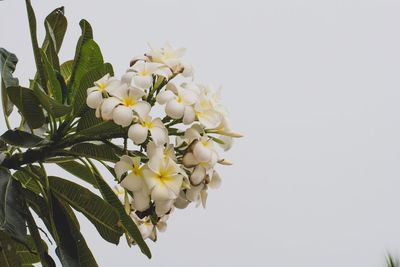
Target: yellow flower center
[(148, 124), (102, 86), (179, 99), (144, 73), (129, 102)]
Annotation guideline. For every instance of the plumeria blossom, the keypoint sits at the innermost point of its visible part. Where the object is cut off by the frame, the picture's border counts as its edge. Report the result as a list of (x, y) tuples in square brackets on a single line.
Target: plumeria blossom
[(120, 105), (176, 133), (179, 102), (143, 74), (96, 94), (163, 178), (138, 132), (168, 55)]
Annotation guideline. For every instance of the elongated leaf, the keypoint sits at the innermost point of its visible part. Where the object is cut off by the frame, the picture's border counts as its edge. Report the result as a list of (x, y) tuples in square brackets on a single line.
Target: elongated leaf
[(28, 105), (72, 249), (41, 248), (8, 253), (8, 62), (100, 152), (86, 82), (88, 120), (35, 46), (27, 252), (56, 27), (100, 213), (21, 138), (103, 127), (12, 206), (27, 181), (66, 70), (79, 170), (87, 34), (53, 107), (127, 222), (53, 86)]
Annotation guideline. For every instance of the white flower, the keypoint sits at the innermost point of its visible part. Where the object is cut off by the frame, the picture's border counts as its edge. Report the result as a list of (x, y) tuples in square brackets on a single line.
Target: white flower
[(168, 55), (208, 108), (179, 102), (119, 107), (133, 181), (139, 131), (203, 150), (144, 72), (167, 152), (96, 93), (163, 178), (146, 227)]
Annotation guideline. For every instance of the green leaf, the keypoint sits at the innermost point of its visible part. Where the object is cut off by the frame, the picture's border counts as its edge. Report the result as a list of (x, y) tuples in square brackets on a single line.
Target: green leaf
[(99, 152), (103, 127), (86, 82), (56, 27), (27, 252), (53, 107), (88, 120), (28, 105), (100, 213), (8, 253), (53, 86), (21, 138), (8, 63), (35, 46), (41, 248), (87, 34), (72, 249), (66, 70), (27, 181), (79, 170), (12, 206), (127, 222)]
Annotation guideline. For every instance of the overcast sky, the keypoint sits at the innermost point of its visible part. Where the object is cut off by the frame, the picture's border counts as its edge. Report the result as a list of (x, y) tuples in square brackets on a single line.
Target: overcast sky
[(314, 87)]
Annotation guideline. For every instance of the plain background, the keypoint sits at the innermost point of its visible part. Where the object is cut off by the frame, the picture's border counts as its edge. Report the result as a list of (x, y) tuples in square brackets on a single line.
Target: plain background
[(314, 87)]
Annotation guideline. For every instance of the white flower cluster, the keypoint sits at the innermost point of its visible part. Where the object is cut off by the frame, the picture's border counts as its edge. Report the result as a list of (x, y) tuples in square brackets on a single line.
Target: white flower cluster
[(180, 145)]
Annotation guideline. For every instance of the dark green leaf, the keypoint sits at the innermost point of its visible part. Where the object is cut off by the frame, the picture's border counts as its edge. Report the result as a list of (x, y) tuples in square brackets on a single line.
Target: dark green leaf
[(72, 249), (12, 206), (27, 181), (86, 82), (66, 70), (35, 46), (8, 62), (88, 120), (103, 127), (28, 105), (27, 252), (56, 27), (127, 222), (79, 170), (53, 86), (21, 138), (100, 152), (8, 254), (53, 107), (41, 248), (87, 34), (100, 213)]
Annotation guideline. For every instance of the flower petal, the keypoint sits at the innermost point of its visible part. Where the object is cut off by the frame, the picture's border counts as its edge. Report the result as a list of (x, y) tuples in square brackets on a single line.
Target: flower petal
[(137, 133), (198, 175), (161, 192), (94, 99), (108, 106), (174, 183), (141, 201), (165, 96), (132, 182), (123, 116), (175, 109), (162, 207), (189, 115), (159, 135), (142, 108), (201, 152)]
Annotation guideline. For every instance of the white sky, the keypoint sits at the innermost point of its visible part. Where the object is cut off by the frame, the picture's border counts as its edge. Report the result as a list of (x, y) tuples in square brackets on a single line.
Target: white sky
[(314, 87)]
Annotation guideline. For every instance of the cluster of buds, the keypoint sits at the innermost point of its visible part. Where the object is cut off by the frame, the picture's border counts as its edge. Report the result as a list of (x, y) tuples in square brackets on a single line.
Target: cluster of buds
[(178, 126)]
